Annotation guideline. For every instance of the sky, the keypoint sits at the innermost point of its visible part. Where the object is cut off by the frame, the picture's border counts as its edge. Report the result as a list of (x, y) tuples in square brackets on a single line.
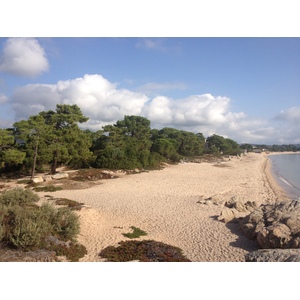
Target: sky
[(246, 88)]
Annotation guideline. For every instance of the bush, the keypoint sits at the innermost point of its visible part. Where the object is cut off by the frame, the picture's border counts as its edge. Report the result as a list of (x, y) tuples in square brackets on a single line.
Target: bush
[(2, 230), (18, 196), (145, 251), (66, 224), (73, 252), (48, 188), (26, 227)]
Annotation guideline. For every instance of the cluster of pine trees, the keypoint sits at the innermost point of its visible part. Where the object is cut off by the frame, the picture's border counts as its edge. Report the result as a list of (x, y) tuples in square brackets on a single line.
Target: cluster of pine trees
[(53, 138)]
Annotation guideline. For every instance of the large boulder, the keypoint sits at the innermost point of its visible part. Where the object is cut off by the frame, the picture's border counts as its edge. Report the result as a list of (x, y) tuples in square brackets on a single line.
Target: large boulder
[(37, 179), (60, 175), (274, 225), (273, 255)]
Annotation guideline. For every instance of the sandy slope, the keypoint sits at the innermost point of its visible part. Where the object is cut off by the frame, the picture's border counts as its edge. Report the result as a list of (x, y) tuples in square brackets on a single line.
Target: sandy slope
[(164, 204)]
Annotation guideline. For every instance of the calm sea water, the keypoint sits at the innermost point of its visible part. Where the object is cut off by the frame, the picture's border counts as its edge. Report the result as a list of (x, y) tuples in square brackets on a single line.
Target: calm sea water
[(286, 170)]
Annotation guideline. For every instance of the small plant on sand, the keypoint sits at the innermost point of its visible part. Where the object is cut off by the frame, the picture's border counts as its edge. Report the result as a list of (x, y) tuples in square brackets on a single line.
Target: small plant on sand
[(73, 252), (144, 251), (48, 188), (137, 232), (69, 203), (24, 181)]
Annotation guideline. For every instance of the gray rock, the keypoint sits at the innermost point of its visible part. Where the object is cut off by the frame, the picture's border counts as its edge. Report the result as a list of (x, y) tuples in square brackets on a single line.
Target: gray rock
[(31, 256), (273, 255)]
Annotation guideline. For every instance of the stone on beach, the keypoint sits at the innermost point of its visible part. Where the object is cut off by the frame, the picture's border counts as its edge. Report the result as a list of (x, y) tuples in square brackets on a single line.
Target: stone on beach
[(274, 225), (273, 255)]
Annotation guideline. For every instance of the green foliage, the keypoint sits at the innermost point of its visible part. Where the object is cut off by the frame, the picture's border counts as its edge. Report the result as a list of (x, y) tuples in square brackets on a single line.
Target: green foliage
[(74, 205), (54, 138), (48, 188), (18, 196), (2, 229), (144, 251), (137, 232), (73, 251), (9, 156), (220, 145), (26, 226), (65, 223)]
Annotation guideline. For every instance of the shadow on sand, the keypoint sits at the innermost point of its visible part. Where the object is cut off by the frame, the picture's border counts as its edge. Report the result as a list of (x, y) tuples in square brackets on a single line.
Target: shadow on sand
[(241, 239)]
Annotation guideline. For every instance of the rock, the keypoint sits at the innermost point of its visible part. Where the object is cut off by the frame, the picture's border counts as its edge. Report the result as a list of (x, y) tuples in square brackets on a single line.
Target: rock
[(274, 236), (239, 206), (47, 178), (236, 204), (274, 225), (213, 200), (31, 256), (251, 206), (252, 224), (60, 176), (37, 179), (273, 255), (227, 215)]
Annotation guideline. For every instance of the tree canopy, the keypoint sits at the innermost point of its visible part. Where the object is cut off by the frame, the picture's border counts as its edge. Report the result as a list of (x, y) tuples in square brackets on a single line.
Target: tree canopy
[(54, 138)]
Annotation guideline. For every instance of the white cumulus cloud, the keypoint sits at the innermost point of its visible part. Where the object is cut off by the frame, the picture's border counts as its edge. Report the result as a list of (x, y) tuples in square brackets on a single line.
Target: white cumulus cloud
[(292, 115), (104, 103), (23, 57), (97, 98)]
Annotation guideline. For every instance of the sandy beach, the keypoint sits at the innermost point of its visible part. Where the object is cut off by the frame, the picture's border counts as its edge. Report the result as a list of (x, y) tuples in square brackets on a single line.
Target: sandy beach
[(164, 204)]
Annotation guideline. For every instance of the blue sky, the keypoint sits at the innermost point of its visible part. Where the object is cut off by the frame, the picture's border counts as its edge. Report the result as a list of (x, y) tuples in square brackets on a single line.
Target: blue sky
[(246, 89), (242, 86)]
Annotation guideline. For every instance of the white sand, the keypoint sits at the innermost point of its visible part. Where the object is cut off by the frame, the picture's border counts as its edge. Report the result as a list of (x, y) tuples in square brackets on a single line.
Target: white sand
[(164, 204)]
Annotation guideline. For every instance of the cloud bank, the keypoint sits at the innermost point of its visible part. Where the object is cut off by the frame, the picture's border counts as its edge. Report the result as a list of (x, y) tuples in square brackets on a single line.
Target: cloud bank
[(104, 103), (23, 57)]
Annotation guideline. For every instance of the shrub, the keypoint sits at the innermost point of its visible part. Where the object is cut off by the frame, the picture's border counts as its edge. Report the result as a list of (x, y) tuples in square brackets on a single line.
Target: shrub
[(28, 228), (74, 205), (49, 188), (73, 252), (66, 224), (18, 196), (2, 229), (145, 251), (137, 232)]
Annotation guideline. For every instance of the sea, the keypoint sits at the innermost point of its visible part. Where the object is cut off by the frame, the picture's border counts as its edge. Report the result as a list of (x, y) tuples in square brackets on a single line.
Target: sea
[(286, 171)]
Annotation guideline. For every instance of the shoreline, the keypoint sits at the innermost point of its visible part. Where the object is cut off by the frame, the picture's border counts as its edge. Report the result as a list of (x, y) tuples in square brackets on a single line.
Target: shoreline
[(275, 182), (281, 194)]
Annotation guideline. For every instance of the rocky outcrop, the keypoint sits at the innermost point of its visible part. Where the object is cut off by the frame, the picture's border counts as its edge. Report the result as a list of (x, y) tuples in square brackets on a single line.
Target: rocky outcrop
[(274, 225), (31, 256), (273, 255), (233, 209)]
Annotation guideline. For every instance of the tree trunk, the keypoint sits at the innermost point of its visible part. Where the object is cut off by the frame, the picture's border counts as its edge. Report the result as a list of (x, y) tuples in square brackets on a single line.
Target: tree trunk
[(34, 159), (54, 163)]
